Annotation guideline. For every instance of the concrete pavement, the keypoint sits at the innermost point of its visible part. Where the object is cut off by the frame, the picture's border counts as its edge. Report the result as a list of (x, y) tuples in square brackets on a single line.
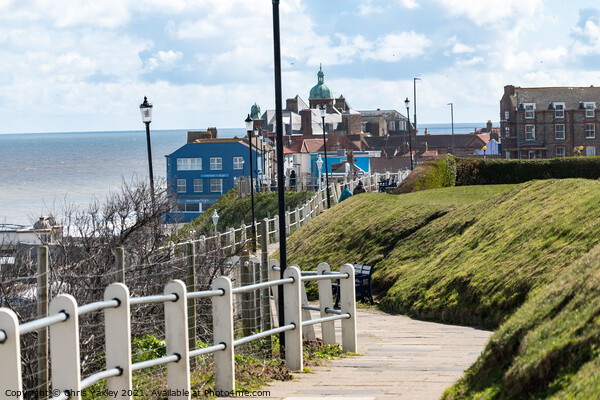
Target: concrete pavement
[(401, 358)]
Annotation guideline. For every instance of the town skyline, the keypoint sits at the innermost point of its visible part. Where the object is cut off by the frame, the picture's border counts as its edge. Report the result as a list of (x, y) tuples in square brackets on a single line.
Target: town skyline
[(84, 66)]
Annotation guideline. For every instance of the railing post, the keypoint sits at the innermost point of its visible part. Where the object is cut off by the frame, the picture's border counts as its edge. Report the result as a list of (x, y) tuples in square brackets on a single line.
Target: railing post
[(276, 229), (176, 332), (64, 347), (308, 332), (256, 310), (223, 334), (326, 302), (292, 312), (42, 311), (247, 298), (297, 217), (288, 228), (190, 251), (232, 249), (348, 305), (120, 264), (243, 235), (10, 354), (117, 336), (264, 272)]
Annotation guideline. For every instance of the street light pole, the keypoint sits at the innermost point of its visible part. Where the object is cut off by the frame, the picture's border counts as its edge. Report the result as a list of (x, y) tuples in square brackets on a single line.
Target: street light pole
[(249, 129), (146, 110), (323, 112), (407, 103), (280, 172), (452, 119)]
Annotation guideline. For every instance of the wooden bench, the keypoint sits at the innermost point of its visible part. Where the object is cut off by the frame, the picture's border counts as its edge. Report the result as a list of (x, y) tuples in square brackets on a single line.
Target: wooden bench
[(362, 284)]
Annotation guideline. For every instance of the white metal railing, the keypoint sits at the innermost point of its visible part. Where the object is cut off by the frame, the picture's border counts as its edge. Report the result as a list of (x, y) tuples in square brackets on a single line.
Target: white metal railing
[(63, 323)]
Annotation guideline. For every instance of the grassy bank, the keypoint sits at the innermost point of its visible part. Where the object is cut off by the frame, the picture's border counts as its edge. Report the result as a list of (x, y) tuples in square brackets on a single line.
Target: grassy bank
[(468, 255), (550, 348)]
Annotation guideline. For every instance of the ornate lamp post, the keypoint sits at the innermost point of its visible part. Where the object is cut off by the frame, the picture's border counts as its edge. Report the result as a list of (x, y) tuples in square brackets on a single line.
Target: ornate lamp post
[(249, 129), (323, 113), (319, 163), (215, 218), (146, 110), (407, 104)]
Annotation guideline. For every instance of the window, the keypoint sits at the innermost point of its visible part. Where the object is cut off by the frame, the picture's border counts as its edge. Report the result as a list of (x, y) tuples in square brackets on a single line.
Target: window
[(189, 207), (506, 131), (590, 108), (506, 115), (531, 154), (181, 186), (559, 131), (189, 164), (216, 163), (216, 185), (529, 132), (238, 162), (529, 110), (559, 110), (590, 151), (590, 131), (198, 185), (392, 125), (560, 152)]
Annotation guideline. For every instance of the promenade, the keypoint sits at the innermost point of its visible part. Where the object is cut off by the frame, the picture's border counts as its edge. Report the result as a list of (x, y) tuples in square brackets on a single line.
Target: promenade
[(401, 358)]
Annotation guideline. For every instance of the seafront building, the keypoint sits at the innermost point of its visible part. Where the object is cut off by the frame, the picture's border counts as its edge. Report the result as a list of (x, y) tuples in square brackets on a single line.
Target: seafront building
[(200, 171), (549, 122)]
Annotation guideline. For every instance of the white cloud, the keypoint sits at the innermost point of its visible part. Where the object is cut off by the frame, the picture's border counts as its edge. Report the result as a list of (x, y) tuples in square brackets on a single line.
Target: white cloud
[(164, 60), (588, 41), (460, 48), (492, 11)]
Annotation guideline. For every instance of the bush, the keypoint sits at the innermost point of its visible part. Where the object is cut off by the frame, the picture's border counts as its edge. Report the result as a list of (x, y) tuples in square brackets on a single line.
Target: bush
[(471, 171), (435, 173)]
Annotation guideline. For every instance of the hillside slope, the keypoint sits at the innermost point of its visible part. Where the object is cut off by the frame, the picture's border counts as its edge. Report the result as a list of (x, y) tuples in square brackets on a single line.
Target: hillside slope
[(550, 347), (469, 255)]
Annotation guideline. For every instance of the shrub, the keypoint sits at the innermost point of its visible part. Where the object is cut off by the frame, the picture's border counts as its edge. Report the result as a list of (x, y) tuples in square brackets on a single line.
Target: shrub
[(470, 171), (435, 173)]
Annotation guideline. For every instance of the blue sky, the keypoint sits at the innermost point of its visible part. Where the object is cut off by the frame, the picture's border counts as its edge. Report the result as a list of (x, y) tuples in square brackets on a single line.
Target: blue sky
[(80, 65)]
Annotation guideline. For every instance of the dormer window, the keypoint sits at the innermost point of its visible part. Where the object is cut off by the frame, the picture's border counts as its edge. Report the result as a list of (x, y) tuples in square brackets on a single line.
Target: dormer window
[(529, 110), (559, 110), (590, 109)]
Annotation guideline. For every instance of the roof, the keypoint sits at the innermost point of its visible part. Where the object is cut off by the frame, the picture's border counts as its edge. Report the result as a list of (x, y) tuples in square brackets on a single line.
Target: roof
[(389, 115), (545, 96)]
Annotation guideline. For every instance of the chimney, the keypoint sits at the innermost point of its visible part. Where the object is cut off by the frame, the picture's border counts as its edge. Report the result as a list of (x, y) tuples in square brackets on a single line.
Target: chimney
[(306, 117), (489, 125), (509, 90)]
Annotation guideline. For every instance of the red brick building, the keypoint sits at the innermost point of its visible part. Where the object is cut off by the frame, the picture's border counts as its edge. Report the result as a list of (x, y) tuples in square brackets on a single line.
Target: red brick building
[(549, 122)]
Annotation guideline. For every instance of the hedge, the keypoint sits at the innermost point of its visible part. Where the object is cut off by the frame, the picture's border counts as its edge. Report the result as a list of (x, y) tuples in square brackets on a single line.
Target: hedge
[(471, 171)]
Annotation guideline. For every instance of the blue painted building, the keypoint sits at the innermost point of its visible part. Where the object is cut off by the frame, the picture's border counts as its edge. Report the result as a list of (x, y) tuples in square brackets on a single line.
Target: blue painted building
[(199, 172)]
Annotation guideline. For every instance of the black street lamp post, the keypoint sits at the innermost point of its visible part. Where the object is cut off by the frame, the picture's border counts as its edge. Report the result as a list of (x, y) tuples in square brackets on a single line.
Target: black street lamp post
[(452, 119), (249, 129), (146, 110), (407, 104), (323, 113)]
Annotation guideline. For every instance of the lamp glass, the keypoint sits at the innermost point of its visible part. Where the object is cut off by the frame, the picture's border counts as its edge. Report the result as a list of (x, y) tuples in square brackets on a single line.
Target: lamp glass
[(319, 163), (323, 111), (407, 102), (248, 124)]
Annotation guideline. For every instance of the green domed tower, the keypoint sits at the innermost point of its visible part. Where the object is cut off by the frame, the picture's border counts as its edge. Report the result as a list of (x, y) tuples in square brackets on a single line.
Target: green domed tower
[(255, 111), (320, 93)]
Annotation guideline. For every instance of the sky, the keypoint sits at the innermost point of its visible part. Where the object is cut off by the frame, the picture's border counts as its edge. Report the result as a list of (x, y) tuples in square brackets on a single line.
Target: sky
[(83, 65)]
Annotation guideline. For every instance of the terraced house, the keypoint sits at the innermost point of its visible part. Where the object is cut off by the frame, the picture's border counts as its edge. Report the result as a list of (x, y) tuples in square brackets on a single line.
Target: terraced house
[(549, 122)]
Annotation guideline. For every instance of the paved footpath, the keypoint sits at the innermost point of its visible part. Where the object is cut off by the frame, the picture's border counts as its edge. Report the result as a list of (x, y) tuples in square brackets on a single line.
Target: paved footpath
[(401, 358)]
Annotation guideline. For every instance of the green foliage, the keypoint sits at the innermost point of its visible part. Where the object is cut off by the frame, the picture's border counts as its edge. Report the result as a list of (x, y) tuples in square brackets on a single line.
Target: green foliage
[(234, 212), (470, 171), (147, 348), (439, 172)]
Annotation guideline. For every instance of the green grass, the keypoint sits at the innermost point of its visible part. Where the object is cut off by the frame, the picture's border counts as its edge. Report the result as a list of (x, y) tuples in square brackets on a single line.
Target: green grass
[(468, 255)]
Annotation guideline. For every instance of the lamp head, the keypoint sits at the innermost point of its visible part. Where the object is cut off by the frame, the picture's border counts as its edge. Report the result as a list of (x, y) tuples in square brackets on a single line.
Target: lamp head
[(407, 102), (146, 110), (248, 124)]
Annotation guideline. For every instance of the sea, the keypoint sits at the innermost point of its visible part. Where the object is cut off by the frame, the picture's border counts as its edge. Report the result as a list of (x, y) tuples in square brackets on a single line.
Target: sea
[(42, 173)]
